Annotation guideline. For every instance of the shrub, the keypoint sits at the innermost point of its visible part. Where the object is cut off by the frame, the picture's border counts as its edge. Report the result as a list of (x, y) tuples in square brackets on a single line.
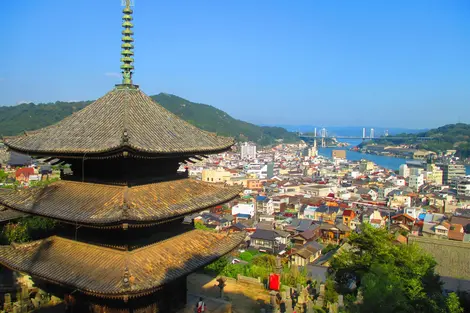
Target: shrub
[(265, 260), (217, 266), (246, 256)]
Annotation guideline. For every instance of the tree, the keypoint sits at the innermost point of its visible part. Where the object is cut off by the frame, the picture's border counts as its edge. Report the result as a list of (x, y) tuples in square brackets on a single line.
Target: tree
[(217, 266), (3, 175), (453, 303), (331, 296), (28, 228), (246, 256), (265, 260), (393, 278)]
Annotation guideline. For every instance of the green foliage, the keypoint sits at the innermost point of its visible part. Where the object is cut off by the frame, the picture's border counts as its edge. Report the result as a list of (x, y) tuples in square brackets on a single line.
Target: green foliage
[(317, 309), (43, 183), (453, 303), (265, 260), (28, 116), (293, 276), (27, 229), (15, 232), (16, 119), (447, 137), (201, 226), (232, 270), (262, 265), (3, 175), (331, 295), (393, 278), (217, 266), (246, 256)]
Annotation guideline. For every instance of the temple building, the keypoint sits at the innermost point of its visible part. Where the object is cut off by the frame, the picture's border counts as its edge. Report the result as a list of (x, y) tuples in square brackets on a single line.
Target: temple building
[(123, 246)]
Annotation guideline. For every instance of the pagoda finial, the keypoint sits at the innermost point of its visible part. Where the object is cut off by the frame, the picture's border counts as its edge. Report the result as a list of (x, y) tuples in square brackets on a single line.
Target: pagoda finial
[(127, 46)]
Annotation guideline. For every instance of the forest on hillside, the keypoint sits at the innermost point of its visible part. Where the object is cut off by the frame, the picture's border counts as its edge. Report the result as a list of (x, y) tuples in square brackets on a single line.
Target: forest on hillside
[(447, 137), (30, 116)]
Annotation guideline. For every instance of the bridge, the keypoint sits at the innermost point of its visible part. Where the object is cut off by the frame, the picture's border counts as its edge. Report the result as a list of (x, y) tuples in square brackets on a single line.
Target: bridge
[(371, 136)]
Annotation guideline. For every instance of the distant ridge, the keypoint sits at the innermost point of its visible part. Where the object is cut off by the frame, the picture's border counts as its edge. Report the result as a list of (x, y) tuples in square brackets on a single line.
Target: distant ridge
[(30, 116)]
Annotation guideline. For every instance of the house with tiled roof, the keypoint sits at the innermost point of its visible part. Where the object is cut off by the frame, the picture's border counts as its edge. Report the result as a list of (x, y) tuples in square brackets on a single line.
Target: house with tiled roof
[(348, 216), (307, 254), (309, 235), (332, 232), (270, 240), (23, 174), (435, 230), (403, 220), (326, 213)]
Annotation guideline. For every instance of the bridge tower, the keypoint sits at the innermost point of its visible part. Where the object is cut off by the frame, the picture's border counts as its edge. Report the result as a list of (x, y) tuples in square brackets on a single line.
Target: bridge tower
[(323, 135), (371, 133), (364, 133), (315, 138)]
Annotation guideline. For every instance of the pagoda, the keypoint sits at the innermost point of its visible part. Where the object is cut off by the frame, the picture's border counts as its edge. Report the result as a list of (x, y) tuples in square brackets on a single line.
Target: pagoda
[(124, 247)]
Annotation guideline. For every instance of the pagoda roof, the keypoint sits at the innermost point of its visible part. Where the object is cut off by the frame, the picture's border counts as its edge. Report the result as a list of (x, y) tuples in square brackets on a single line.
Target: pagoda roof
[(110, 205), (110, 273), (8, 215), (125, 119)]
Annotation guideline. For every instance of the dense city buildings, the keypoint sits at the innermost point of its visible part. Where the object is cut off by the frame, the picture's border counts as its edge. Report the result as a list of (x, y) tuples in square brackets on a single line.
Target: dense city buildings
[(325, 199)]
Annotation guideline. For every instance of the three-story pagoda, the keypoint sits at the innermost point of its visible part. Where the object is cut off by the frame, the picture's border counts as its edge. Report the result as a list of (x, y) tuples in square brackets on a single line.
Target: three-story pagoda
[(125, 248)]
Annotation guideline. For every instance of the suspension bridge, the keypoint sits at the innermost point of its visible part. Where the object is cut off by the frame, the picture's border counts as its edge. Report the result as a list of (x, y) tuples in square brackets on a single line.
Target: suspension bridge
[(323, 135)]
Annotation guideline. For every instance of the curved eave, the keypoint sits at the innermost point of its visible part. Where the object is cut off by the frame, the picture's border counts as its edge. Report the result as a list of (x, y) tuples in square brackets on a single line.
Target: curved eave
[(117, 151), (72, 272), (161, 213), (149, 222)]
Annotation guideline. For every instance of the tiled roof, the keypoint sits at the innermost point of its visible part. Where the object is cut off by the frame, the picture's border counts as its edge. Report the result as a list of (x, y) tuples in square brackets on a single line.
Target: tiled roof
[(101, 127), (99, 204), (101, 271), (404, 215), (464, 221), (304, 253), (8, 215), (264, 234), (26, 171)]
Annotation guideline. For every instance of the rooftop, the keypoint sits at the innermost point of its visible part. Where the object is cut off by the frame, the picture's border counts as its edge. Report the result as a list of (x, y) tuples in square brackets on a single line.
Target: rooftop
[(103, 271), (125, 119), (99, 204)]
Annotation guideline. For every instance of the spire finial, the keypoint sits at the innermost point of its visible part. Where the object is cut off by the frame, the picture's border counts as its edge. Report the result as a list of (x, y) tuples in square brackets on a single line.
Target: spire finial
[(127, 46)]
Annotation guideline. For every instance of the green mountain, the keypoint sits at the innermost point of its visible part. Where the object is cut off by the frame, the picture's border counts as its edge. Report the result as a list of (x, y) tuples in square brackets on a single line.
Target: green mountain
[(30, 116), (447, 137)]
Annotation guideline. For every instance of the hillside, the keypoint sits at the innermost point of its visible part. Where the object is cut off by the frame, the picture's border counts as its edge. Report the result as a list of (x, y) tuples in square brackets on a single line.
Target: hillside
[(447, 137), (26, 117)]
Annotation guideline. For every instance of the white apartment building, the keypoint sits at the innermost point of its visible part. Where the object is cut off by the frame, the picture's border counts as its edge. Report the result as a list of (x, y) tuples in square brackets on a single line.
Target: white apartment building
[(416, 179), (248, 151), (404, 171)]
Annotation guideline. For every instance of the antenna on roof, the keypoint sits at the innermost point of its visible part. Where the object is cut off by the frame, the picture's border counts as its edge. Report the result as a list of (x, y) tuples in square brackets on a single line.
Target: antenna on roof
[(127, 46)]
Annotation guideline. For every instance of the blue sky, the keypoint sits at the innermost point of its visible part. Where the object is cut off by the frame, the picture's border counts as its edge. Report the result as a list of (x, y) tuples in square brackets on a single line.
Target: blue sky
[(393, 63)]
